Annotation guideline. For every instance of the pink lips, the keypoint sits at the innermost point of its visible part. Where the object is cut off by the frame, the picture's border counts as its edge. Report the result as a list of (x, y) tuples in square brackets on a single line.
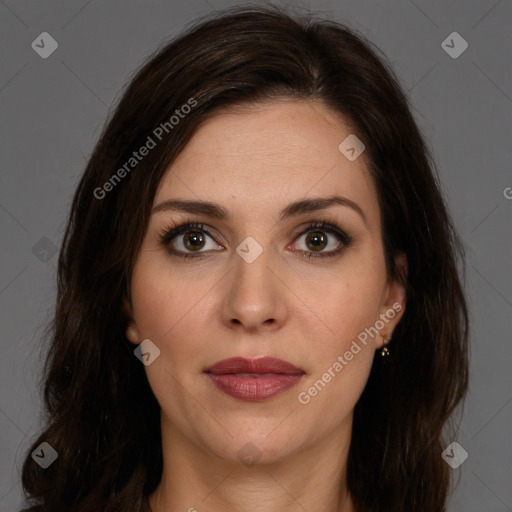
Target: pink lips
[(254, 379)]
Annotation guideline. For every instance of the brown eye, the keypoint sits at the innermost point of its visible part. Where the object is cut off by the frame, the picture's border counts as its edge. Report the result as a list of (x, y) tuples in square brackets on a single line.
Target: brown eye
[(193, 240), (316, 240), (188, 240), (321, 240)]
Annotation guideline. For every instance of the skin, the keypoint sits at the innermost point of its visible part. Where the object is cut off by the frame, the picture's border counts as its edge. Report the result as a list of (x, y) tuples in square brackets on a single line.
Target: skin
[(254, 161)]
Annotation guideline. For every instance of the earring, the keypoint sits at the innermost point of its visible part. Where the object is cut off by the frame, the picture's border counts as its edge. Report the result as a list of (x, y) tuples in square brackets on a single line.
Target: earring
[(385, 351), (131, 334)]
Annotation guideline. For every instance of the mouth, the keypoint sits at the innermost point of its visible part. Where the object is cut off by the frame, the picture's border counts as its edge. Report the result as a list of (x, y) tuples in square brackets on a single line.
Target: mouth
[(254, 380)]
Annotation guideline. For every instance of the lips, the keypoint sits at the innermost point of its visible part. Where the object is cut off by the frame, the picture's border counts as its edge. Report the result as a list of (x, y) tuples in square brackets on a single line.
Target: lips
[(256, 366), (254, 379)]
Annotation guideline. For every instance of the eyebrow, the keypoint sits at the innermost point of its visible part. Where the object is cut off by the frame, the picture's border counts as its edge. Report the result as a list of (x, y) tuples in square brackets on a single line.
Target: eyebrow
[(296, 208)]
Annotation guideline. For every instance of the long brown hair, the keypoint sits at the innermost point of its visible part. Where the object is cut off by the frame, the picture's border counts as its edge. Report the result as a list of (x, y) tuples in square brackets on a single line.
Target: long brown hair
[(96, 391)]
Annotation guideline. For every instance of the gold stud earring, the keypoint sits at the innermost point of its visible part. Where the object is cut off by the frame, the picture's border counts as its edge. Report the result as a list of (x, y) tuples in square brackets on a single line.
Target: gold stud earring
[(131, 335), (385, 351)]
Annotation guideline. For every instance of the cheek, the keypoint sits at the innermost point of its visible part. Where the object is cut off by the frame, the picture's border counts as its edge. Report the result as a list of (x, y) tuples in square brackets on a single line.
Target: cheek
[(163, 293), (342, 355), (342, 304), (344, 347), (167, 307)]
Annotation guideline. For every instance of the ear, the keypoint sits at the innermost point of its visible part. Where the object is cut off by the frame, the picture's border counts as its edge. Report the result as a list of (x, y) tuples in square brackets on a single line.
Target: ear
[(132, 331), (393, 306)]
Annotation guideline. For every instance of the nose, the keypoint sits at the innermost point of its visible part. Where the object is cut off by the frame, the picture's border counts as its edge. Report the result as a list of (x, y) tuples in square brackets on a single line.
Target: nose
[(255, 298)]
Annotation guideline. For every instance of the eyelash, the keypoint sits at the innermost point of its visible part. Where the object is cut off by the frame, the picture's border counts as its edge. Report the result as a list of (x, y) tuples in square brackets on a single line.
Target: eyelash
[(170, 232)]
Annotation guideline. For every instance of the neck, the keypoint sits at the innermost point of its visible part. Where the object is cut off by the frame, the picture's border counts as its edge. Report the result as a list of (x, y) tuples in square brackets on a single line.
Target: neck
[(193, 479)]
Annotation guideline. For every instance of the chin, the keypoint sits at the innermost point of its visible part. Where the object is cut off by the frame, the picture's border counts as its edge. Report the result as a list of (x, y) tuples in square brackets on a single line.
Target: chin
[(253, 440)]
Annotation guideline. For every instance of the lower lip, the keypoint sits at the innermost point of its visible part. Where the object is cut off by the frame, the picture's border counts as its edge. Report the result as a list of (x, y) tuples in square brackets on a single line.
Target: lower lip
[(254, 389)]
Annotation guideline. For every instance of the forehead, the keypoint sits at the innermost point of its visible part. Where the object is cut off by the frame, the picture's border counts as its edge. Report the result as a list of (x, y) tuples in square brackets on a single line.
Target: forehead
[(266, 155)]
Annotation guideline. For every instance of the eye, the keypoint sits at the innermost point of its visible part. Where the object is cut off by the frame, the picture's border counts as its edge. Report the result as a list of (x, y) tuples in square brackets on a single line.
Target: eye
[(321, 240), (188, 240)]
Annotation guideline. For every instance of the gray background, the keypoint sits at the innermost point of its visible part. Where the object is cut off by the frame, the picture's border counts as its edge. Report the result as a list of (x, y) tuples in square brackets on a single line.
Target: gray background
[(52, 113)]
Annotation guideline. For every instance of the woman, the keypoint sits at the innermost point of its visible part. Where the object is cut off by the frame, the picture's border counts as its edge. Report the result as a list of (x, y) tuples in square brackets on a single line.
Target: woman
[(258, 220)]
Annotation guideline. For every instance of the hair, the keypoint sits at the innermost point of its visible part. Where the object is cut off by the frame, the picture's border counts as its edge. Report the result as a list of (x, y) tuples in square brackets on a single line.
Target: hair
[(96, 392)]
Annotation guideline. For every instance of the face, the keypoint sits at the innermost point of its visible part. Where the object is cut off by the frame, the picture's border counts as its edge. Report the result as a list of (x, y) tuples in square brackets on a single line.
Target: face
[(306, 285)]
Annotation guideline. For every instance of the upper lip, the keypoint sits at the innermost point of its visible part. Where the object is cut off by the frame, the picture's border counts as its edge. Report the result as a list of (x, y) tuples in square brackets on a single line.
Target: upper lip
[(259, 365)]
